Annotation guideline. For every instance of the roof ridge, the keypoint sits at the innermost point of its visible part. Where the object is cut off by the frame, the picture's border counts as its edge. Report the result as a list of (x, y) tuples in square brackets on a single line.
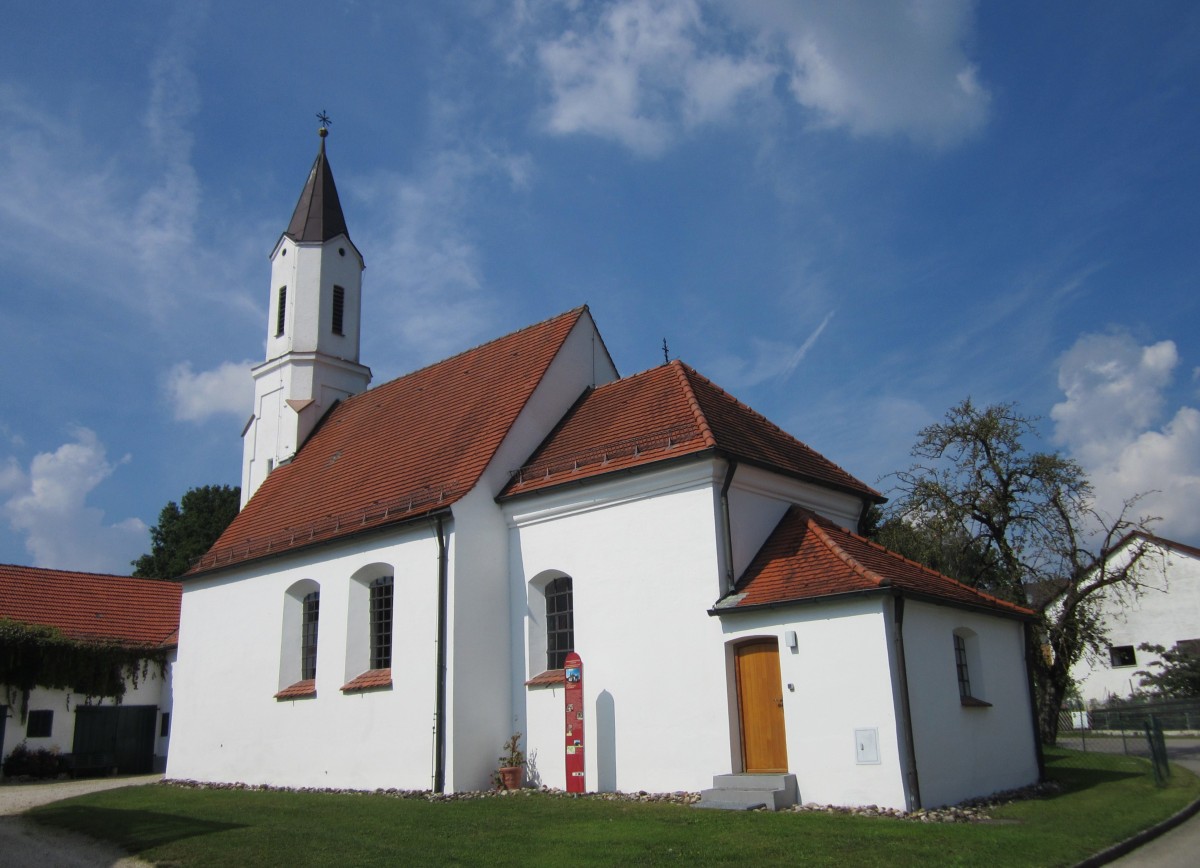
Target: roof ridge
[(930, 571), (75, 572), (764, 419), (578, 312), (811, 520), (682, 370)]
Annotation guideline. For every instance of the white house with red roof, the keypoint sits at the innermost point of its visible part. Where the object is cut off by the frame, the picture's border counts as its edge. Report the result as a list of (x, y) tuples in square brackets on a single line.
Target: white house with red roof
[(1163, 610), (102, 610), (415, 561)]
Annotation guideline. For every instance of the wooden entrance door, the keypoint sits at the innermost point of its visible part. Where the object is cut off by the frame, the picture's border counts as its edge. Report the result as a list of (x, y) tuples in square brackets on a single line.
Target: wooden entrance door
[(760, 707)]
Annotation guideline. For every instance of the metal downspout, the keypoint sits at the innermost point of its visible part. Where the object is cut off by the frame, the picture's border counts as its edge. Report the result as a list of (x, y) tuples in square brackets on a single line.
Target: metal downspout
[(439, 715), (910, 771), (726, 528)]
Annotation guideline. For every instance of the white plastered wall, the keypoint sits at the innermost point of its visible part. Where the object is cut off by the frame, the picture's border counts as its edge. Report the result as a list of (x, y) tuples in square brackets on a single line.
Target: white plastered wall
[(837, 680), (479, 702), (228, 726), (963, 752), (1165, 611), (642, 556)]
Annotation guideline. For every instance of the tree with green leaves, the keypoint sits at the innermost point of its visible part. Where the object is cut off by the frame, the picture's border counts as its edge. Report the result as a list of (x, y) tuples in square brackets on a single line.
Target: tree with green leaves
[(984, 507), (187, 530), (1177, 671)]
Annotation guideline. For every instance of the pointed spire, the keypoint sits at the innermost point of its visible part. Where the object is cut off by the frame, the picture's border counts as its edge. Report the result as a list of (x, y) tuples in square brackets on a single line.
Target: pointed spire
[(318, 215)]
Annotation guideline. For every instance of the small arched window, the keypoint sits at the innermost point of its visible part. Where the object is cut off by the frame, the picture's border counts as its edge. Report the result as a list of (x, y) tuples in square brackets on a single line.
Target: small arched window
[(560, 622)]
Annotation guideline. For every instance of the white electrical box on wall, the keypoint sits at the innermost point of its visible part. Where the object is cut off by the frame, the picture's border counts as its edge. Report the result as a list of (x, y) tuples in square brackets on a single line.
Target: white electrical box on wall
[(866, 746)]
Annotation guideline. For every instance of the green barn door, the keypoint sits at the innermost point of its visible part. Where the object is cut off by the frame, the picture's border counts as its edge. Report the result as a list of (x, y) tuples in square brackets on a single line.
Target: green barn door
[(120, 738)]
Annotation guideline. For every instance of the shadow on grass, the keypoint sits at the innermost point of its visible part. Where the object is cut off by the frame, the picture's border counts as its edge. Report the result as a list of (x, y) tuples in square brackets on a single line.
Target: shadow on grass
[(133, 831), (1067, 771)]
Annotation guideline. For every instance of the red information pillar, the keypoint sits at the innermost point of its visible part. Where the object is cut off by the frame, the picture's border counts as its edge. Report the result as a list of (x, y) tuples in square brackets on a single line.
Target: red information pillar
[(573, 669)]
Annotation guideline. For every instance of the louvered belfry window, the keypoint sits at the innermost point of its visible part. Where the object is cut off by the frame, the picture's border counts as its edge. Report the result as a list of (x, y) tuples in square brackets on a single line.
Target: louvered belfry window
[(280, 311), (381, 623), (308, 636), (560, 622), (339, 309)]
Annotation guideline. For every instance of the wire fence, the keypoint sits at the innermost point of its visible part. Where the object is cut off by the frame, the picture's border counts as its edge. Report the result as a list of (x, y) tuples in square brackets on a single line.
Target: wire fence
[(1157, 731)]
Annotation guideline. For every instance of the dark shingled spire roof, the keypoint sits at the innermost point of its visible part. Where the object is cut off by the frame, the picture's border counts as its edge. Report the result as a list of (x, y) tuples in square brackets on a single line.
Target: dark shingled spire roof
[(318, 216)]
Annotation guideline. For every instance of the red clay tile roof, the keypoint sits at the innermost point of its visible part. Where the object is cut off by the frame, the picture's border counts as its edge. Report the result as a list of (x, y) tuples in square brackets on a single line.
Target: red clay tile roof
[(398, 451), (92, 606), (664, 413), (372, 679), (299, 690), (808, 557)]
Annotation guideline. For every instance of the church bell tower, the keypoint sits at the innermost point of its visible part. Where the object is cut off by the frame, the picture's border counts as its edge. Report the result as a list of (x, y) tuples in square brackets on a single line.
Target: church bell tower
[(313, 323)]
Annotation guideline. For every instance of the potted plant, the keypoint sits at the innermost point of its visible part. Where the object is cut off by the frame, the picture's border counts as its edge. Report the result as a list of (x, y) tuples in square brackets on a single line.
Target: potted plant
[(512, 764)]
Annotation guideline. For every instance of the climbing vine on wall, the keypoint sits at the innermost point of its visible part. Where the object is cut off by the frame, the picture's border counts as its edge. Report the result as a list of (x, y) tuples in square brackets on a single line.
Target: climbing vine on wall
[(36, 656)]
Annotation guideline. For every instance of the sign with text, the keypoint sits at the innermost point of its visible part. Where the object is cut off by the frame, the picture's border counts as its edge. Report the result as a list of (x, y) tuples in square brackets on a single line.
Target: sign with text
[(573, 670)]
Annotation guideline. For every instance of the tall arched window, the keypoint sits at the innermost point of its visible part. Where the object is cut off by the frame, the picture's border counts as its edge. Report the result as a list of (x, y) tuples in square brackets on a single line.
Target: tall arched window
[(381, 623), (308, 635), (298, 652), (560, 622)]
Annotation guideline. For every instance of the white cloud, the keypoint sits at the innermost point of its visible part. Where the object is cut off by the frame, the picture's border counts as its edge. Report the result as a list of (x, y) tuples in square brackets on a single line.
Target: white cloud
[(47, 505), (643, 72), (1110, 421), (880, 68), (639, 73), (225, 389), (768, 360), (433, 301)]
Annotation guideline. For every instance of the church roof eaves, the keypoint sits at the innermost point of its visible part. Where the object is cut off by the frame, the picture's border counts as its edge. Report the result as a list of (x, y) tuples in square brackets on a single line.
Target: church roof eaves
[(809, 559), (400, 451), (93, 606), (662, 414)]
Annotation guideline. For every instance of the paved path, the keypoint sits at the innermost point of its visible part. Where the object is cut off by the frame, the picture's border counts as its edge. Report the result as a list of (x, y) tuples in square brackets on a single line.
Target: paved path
[(25, 843)]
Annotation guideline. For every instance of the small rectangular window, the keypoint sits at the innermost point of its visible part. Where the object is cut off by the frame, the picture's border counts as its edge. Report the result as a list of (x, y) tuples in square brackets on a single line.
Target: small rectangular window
[(381, 623), (1122, 655), (308, 638), (39, 724), (339, 309), (280, 311), (164, 725)]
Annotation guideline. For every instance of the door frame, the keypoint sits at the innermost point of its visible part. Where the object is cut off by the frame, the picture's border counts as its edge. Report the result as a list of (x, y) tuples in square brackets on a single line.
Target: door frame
[(774, 715)]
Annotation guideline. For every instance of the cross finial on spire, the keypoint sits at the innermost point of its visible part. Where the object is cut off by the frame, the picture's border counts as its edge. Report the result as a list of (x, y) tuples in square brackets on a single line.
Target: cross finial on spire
[(666, 356), (325, 122)]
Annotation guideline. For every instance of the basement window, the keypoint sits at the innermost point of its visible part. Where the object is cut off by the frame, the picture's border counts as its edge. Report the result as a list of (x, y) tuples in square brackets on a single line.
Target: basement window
[(1121, 655), (39, 724)]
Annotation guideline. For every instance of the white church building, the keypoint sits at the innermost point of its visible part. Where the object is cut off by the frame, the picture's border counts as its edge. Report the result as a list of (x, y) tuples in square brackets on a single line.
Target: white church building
[(414, 561)]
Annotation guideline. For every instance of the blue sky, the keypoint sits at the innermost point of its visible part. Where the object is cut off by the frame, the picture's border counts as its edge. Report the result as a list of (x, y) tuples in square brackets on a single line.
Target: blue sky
[(849, 215)]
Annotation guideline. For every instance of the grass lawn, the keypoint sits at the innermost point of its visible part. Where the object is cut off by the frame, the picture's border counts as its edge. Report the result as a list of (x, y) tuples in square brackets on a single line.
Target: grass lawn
[(1104, 799)]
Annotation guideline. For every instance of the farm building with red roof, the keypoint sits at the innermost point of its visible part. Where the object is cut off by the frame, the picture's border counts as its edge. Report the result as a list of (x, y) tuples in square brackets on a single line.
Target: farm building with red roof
[(97, 611), (415, 562)]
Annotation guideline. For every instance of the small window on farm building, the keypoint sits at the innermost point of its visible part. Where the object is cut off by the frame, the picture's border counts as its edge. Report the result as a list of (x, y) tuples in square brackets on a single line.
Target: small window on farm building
[(381, 623), (1122, 655), (560, 622), (339, 309), (164, 725), (39, 724)]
